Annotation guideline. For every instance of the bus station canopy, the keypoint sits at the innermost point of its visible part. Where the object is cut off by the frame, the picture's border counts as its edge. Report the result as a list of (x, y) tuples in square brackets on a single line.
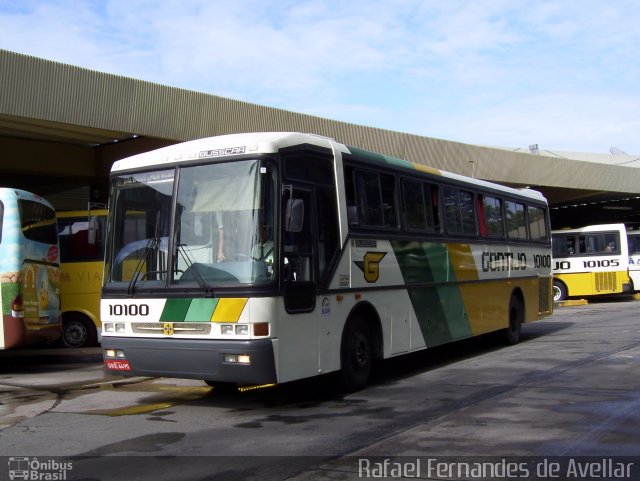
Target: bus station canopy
[(62, 126)]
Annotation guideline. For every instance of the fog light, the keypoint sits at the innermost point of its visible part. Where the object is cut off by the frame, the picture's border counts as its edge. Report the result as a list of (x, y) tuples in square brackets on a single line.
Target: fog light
[(120, 328), (107, 327), (237, 358), (114, 353), (244, 359)]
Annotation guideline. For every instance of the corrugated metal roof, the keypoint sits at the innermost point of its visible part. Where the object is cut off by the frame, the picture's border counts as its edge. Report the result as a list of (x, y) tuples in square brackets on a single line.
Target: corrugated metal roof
[(48, 100)]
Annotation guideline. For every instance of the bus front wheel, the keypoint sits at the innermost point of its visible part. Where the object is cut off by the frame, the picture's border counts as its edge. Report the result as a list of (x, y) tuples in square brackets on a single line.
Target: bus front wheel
[(356, 356), (559, 291)]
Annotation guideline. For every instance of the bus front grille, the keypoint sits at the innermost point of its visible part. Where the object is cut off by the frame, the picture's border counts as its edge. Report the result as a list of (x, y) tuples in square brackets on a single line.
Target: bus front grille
[(605, 281), (184, 328)]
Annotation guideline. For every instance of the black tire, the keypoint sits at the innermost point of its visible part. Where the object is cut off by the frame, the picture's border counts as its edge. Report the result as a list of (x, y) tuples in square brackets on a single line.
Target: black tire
[(511, 334), (78, 331), (559, 291), (356, 356), (222, 387)]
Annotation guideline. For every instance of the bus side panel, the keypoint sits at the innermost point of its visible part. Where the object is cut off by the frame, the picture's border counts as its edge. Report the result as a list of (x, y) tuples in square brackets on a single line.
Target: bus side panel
[(434, 291), (30, 305), (634, 271), (80, 284), (593, 283), (462, 290), (633, 246)]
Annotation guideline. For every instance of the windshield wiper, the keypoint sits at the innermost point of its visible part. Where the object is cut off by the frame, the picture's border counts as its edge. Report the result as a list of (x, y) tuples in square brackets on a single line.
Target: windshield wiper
[(152, 246)]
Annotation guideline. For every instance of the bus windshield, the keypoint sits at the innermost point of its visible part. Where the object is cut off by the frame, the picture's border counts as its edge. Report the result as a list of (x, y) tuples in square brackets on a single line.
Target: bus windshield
[(222, 226)]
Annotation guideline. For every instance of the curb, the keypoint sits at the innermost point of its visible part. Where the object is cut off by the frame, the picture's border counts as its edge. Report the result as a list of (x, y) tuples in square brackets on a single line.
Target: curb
[(570, 303), (53, 355)]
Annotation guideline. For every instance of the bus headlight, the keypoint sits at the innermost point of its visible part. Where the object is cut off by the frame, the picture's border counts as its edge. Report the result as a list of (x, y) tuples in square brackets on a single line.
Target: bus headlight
[(234, 329), (119, 327), (242, 330)]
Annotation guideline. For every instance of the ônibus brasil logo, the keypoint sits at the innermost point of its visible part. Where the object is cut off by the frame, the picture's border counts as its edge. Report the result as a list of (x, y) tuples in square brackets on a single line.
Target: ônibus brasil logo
[(24, 467)]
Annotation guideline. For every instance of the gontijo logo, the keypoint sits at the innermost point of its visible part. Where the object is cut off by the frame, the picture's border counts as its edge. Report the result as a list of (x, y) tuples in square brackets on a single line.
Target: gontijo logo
[(370, 265)]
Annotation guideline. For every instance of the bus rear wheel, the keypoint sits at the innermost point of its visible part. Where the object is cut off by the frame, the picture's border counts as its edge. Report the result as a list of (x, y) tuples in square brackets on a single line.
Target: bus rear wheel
[(516, 317), (78, 331), (356, 356), (559, 291)]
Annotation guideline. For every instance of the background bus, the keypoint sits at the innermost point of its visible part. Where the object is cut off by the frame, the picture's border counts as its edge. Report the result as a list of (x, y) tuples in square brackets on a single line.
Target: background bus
[(81, 263), (29, 270), (372, 257), (633, 239), (590, 261)]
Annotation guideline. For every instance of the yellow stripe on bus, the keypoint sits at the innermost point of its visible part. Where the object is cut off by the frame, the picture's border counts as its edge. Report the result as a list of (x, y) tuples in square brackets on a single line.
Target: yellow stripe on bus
[(229, 309), (428, 170)]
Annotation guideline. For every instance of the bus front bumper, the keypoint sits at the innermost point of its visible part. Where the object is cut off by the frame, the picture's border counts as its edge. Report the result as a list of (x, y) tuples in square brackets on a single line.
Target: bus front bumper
[(240, 362)]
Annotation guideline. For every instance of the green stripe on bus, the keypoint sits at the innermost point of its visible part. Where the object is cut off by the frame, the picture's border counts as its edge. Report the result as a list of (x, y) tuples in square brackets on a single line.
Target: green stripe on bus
[(201, 310), (175, 310), (440, 309)]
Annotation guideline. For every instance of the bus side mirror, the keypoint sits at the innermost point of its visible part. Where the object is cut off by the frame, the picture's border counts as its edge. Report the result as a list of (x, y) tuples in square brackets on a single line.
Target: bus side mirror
[(294, 218), (92, 233)]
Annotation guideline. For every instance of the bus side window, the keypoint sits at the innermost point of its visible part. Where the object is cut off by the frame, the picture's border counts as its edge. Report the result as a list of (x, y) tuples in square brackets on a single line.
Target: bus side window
[(459, 211), (350, 194), (582, 245), (492, 207), (435, 206), (516, 224), (415, 205), (481, 218), (375, 199), (537, 223)]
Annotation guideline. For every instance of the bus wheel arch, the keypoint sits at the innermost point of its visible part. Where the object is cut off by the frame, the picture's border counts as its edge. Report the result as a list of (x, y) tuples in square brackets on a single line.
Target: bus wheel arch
[(516, 316), (560, 291), (360, 346), (78, 330)]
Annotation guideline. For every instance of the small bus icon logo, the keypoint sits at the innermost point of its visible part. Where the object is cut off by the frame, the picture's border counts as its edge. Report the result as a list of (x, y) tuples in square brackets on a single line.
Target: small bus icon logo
[(19, 468)]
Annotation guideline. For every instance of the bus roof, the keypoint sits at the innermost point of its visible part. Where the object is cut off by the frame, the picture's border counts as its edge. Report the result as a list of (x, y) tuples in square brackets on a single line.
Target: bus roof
[(590, 228), (219, 147), (9, 192), (224, 146)]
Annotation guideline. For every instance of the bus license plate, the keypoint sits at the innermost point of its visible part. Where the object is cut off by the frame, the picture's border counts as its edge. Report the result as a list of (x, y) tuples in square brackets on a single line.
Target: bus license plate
[(118, 365)]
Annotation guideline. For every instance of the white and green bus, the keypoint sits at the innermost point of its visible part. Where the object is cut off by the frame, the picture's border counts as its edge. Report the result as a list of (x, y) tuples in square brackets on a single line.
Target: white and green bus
[(270, 257), (590, 261)]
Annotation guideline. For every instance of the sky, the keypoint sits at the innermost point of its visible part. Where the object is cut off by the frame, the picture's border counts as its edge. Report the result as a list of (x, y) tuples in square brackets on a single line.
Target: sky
[(563, 74)]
